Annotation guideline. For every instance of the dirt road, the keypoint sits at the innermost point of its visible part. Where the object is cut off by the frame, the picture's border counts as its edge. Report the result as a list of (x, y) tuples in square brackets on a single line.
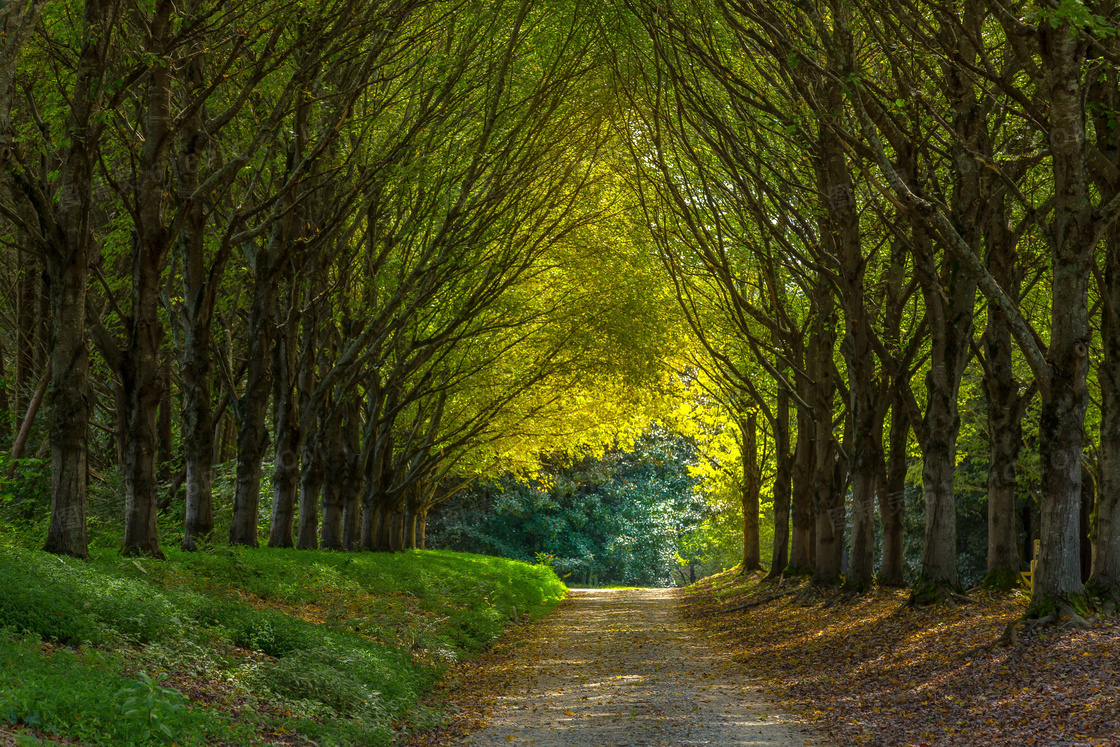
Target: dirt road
[(620, 667)]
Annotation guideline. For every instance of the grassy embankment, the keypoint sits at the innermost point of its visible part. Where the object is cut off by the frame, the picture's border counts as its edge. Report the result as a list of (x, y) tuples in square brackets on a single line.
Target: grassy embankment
[(240, 647), (870, 670)]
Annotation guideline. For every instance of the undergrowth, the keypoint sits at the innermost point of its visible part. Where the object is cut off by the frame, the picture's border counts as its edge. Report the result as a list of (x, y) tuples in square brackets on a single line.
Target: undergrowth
[(240, 646)]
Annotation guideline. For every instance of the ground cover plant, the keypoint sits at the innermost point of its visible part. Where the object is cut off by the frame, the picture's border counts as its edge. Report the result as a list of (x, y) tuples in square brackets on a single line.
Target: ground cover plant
[(870, 669), (242, 646)]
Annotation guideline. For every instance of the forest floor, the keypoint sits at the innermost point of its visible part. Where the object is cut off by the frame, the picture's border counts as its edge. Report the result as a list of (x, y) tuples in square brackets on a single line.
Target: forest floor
[(239, 647), (611, 667), (868, 670)]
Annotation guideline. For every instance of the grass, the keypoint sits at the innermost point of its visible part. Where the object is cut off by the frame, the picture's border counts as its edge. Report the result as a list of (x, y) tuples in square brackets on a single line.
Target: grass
[(240, 646)]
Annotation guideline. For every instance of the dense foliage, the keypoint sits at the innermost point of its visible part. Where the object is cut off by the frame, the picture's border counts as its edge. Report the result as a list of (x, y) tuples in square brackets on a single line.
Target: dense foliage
[(626, 517)]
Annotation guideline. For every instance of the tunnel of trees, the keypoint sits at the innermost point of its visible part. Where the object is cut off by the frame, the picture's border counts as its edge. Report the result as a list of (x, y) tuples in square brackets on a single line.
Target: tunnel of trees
[(296, 273)]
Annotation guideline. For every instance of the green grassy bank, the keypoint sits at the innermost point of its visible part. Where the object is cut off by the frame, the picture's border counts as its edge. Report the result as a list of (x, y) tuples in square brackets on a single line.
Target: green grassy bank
[(239, 647)]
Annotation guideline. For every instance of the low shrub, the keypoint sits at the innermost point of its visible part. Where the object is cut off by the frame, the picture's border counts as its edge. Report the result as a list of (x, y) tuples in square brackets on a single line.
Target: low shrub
[(73, 602), (80, 694), (272, 633)]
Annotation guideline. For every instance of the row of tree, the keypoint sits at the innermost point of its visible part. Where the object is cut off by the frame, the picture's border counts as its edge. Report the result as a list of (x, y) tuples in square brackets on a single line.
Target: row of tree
[(369, 235), (387, 242), (856, 202)]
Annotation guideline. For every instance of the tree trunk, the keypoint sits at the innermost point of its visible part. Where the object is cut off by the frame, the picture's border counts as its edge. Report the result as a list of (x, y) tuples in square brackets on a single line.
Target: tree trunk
[(892, 499), (410, 531), (165, 447), (67, 262), (197, 311), (69, 409), (867, 450), (866, 466), (802, 540), (333, 497), (1104, 93), (310, 486), (289, 432), (841, 237), (28, 421), (1062, 419), (949, 289), (196, 320), (828, 499), (379, 528), (1005, 414), (750, 489), (780, 557), (1088, 499), (355, 474), (399, 542), (1005, 427), (1106, 530), (370, 512), (27, 300), (385, 543), (5, 397), (252, 440), (140, 371)]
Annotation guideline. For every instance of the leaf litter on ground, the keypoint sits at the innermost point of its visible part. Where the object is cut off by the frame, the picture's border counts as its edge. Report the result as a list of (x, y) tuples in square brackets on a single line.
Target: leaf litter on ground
[(869, 670)]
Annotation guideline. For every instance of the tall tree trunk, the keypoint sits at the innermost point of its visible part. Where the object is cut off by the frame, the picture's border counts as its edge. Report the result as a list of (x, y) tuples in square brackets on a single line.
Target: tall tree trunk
[(1062, 419), (269, 263), (27, 301), (828, 500), (400, 516), (802, 541), (69, 400), (370, 506), (866, 457), (892, 499), (5, 397), (252, 440), (67, 262), (333, 497), (287, 426), (950, 330), (780, 557), (410, 530), (355, 474), (950, 296), (748, 429), (1104, 93), (840, 232), (140, 364), (1106, 530), (165, 447), (196, 317), (1005, 411), (310, 486)]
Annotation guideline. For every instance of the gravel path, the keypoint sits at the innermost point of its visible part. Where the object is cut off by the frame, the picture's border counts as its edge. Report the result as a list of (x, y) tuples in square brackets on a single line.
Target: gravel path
[(620, 667)]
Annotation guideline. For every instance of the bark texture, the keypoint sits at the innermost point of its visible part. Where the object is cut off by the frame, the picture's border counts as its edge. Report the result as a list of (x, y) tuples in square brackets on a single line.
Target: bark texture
[(67, 262), (752, 483)]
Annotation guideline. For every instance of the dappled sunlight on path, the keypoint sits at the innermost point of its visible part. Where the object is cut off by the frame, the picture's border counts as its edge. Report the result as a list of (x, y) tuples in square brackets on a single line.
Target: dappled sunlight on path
[(620, 667)]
